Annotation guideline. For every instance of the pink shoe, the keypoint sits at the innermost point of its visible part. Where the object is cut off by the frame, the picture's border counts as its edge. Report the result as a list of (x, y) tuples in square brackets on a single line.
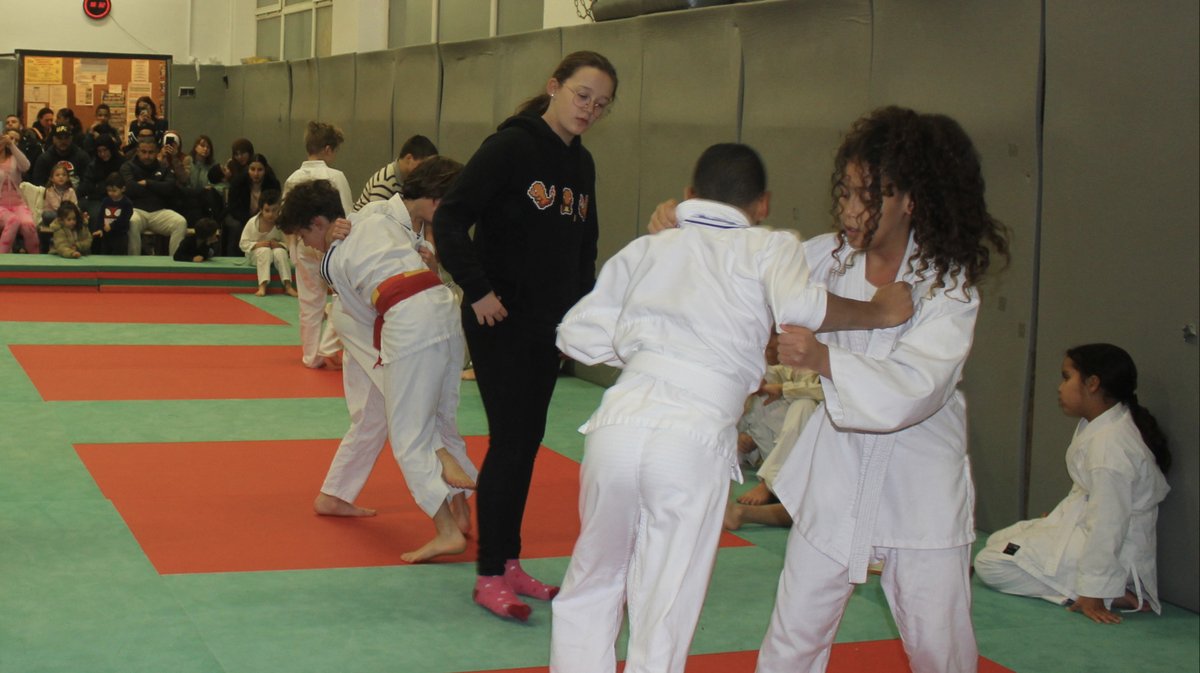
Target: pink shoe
[(523, 584), (493, 593)]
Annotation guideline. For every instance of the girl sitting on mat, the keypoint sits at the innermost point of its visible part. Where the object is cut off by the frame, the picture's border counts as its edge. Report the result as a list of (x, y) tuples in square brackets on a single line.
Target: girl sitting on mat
[(1096, 550)]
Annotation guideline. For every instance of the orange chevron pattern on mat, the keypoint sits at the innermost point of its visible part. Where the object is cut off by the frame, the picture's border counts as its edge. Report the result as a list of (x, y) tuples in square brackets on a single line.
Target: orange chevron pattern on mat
[(243, 506), (103, 307), (871, 656), (79, 372)]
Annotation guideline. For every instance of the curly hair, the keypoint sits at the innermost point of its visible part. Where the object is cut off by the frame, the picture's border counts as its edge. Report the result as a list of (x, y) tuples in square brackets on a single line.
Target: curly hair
[(306, 201), (930, 158)]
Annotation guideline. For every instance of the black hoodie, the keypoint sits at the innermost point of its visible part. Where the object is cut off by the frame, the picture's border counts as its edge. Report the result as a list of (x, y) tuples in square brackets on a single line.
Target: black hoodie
[(532, 200)]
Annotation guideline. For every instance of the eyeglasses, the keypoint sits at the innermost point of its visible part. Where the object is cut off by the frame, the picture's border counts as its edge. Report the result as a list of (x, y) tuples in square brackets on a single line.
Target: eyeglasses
[(585, 101)]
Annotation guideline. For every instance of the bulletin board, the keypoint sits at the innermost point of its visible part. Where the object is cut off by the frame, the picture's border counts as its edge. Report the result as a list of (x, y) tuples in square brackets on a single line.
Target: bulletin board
[(83, 80)]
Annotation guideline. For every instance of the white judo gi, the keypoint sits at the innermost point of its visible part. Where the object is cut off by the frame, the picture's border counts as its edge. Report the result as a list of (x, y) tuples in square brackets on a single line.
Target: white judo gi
[(318, 338), (263, 258), (412, 398), (768, 423), (882, 472), (686, 314), (1101, 539)]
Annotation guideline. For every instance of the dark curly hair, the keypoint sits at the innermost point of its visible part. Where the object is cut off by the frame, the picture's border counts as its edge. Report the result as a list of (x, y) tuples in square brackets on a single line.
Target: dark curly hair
[(930, 158), (431, 179), (306, 201)]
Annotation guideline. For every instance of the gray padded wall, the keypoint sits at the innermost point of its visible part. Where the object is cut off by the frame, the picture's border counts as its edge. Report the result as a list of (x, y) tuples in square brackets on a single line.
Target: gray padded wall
[(524, 63), (1119, 238), (232, 108), (613, 142), (691, 94), (469, 71), (204, 113), (305, 106), (8, 86), (371, 145), (990, 86), (267, 112), (336, 77), (793, 121), (416, 96)]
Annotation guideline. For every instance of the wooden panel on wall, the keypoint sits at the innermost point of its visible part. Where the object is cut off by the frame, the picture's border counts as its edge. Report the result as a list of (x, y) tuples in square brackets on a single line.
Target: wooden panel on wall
[(1119, 240), (991, 87)]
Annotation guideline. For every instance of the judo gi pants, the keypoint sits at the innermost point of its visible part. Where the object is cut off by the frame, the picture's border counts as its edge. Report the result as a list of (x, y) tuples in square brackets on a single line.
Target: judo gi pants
[(416, 410), (318, 338), (1001, 572), (651, 504), (928, 590), (264, 257), (516, 375)]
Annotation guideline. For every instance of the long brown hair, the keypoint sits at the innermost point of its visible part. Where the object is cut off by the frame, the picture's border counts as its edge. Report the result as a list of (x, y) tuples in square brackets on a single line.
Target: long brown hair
[(573, 61)]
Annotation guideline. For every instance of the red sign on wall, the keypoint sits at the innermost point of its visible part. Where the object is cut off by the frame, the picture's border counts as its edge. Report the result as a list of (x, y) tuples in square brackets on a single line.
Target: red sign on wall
[(97, 9)]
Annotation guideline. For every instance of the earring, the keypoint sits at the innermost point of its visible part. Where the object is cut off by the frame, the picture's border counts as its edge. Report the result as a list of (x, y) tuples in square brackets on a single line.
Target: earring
[(552, 95)]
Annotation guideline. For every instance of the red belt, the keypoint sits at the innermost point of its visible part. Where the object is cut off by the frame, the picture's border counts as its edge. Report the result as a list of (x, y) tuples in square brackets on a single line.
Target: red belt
[(395, 290)]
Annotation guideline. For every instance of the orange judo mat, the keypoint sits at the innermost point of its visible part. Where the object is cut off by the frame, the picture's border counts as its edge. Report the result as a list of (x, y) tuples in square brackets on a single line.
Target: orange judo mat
[(203, 507), (104, 307), (871, 656), (82, 372)]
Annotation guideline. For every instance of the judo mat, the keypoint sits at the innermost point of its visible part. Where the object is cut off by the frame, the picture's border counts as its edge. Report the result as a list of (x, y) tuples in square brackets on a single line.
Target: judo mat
[(197, 507), (78, 372), (90, 306), (872, 656)]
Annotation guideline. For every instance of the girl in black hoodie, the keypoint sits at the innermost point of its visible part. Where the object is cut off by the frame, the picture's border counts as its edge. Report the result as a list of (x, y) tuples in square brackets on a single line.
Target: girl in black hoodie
[(529, 191)]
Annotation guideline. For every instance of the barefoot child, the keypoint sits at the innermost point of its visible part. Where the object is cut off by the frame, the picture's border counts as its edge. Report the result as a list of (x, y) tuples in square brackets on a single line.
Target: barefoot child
[(264, 245), (1096, 551), (686, 314), (403, 338)]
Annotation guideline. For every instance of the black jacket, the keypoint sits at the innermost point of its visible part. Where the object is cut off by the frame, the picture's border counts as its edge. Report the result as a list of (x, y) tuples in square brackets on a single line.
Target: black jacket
[(532, 201), (160, 190)]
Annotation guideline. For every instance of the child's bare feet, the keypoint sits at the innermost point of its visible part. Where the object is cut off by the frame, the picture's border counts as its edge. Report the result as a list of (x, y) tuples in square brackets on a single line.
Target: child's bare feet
[(449, 539), (759, 495), (328, 505), (461, 510), (261, 291), (733, 515), (468, 374), (290, 289), (1130, 602), (333, 362), (452, 472)]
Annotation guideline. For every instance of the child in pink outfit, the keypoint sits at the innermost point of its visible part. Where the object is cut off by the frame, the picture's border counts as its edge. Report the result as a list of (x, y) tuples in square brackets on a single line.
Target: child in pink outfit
[(15, 216)]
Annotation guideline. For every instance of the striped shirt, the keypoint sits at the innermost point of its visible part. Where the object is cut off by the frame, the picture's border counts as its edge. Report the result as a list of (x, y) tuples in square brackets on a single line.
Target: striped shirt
[(380, 187)]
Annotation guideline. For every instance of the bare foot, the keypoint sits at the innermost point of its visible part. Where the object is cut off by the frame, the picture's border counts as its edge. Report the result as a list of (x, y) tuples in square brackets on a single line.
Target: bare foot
[(733, 516), (333, 362), (745, 443), (261, 291), (290, 289), (452, 472), (328, 505), (759, 495), (449, 539), (468, 374), (460, 509), (1130, 602)]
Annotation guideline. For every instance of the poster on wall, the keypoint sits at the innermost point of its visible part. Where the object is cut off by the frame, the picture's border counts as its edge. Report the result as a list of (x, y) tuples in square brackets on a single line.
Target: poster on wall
[(139, 71), (81, 80), (83, 95), (43, 70), (116, 106), (58, 96)]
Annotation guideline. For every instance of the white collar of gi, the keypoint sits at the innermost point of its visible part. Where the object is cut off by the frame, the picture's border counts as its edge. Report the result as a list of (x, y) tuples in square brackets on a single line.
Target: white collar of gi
[(713, 214)]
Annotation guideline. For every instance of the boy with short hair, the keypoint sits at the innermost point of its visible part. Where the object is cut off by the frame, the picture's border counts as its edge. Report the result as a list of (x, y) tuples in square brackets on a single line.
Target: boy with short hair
[(387, 180), (115, 212), (318, 339), (686, 314), (403, 337)]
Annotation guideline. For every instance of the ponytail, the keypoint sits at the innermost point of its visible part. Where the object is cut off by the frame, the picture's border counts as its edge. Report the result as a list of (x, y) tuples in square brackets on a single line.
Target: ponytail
[(1118, 379)]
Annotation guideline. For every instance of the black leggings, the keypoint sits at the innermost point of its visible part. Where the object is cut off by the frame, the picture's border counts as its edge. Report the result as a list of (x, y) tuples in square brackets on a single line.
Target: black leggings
[(516, 375)]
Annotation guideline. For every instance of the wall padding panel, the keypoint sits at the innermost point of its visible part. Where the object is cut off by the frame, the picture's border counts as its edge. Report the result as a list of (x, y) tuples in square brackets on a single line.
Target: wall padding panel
[(8, 86), (305, 106), (267, 113), (336, 76), (416, 96), (794, 122), (469, 95), (371, 145), (991, 87), (691, 96), (202, 114), (613, 141), (1119, 239), (233, 108), (526, 62)]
